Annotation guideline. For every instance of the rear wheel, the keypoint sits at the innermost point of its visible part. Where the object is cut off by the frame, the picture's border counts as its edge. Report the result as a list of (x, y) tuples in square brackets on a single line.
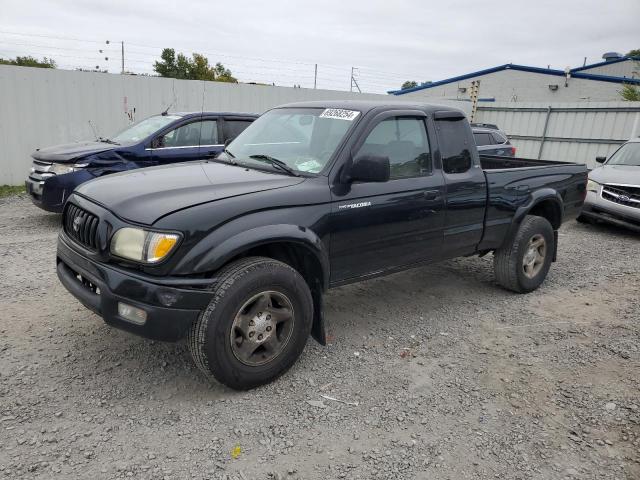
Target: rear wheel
[(256, 325), (523, 262)]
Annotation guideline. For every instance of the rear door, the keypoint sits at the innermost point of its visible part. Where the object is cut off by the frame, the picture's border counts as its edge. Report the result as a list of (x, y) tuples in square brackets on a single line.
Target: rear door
[(466, 187), (380, 226)]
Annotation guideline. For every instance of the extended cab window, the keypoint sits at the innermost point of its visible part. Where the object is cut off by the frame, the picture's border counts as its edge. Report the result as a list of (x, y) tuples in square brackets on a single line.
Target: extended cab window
[(404, 141), (455, 143)]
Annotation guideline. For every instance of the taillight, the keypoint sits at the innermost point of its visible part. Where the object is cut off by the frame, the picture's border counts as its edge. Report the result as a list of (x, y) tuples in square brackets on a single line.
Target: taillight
[(513, 151)]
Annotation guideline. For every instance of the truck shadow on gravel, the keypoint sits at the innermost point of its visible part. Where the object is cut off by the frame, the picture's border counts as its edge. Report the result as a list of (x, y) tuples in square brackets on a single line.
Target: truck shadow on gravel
[(426, 298)]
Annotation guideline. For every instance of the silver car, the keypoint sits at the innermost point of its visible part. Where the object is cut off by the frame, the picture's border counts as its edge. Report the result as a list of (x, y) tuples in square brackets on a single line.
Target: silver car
[(613, 190)]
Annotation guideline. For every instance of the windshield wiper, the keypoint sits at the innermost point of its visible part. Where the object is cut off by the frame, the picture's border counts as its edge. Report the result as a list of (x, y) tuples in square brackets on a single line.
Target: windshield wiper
[(276, 163), (228, 152), (106, 140)]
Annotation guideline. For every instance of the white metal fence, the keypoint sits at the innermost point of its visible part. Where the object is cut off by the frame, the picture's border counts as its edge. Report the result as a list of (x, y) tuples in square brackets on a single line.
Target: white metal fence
[(575, 132), (44, 107)]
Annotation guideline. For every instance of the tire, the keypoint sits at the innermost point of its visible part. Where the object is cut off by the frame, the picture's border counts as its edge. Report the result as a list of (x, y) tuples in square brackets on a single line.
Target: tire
[(247, 292), (509, 260)]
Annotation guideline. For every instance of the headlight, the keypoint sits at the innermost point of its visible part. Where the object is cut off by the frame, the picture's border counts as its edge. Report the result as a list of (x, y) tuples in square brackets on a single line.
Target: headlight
[(142, 245), (592, 186), (62, 168)]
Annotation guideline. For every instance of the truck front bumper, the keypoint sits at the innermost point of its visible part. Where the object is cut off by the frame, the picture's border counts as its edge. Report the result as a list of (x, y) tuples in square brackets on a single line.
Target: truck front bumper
[(170, 310), (598, 208)]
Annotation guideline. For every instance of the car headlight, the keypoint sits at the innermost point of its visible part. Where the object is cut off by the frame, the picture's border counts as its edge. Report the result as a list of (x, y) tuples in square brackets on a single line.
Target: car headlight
[(592, 186), (143, 245), (62, 168)]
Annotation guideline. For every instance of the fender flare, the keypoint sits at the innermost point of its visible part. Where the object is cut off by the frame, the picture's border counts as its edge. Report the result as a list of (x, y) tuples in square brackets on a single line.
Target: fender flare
[(537, 197), (235, 245)]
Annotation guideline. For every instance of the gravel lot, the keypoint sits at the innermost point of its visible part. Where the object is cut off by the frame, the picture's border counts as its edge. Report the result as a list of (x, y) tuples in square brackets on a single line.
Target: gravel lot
[(437, 373)]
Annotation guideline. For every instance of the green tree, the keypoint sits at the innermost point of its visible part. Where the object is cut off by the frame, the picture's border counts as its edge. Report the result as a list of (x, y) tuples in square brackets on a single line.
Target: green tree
[(634, 53), (195, 68), (630, 93), (29, 61), (409, 84)]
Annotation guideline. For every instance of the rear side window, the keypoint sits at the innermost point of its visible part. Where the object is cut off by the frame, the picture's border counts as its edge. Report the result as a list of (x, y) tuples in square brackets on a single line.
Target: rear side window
[(455, 144), (483, 139), (499, 138), (209, 133), (233, 128), (404, 141)]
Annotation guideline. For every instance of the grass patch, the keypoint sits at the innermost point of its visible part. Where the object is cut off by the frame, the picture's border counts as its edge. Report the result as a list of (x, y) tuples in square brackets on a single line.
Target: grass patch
[(8, 190)]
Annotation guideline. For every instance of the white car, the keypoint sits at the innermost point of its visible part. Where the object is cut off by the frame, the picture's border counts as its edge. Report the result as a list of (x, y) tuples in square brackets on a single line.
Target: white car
[(613, 190)]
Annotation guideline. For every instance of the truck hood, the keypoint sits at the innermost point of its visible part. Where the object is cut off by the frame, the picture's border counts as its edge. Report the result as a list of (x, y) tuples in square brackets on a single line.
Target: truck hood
[(71, 151), (147, 194), (623, 174)]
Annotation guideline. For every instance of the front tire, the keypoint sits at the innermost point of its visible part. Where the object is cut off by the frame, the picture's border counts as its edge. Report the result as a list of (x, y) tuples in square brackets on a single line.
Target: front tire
[(522, 264), (256, 325)]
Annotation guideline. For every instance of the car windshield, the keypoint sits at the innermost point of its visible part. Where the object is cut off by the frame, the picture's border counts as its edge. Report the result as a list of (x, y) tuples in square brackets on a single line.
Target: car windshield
[(628, 154), (303, 138), (141, 130)]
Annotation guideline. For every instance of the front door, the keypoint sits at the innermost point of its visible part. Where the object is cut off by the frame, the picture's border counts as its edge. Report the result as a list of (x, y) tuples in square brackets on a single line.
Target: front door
[(379, 226), (185, 143)]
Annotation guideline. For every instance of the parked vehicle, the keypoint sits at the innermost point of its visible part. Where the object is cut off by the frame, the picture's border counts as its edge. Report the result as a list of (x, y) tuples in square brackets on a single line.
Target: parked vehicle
[(157, 140), (490, 140), (613, 190), (236, 252)]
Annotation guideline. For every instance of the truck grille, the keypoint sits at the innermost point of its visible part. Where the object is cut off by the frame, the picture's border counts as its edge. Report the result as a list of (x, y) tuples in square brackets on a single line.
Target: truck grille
[(81, 225), (622, 195)]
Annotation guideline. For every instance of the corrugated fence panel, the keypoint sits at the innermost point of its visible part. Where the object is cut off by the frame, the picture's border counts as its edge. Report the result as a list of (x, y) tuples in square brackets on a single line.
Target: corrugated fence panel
[(576, 132), (44, 107)]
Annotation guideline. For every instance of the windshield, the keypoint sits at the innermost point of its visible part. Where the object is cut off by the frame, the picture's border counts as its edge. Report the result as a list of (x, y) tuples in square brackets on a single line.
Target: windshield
[(628, 154), (303, 138), (141, 130)]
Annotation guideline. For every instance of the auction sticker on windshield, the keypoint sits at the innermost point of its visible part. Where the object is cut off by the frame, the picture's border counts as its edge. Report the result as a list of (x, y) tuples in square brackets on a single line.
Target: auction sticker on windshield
[(339, 114)]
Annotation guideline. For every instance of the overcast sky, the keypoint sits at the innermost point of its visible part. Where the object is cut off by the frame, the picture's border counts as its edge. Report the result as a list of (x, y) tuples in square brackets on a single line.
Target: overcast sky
[(281, 40)]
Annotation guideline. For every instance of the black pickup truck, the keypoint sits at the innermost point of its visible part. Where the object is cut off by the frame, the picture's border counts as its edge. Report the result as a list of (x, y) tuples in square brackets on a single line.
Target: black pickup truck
[(236, 252)]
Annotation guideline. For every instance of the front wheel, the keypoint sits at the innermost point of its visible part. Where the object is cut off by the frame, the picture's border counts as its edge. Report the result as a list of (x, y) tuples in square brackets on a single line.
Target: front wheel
[(256, 325), (522, 264)]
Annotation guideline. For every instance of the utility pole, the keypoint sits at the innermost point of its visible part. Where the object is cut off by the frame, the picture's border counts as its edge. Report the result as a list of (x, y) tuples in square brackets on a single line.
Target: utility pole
[(475, 91), (122, 43), (354, 82), (315, 77)]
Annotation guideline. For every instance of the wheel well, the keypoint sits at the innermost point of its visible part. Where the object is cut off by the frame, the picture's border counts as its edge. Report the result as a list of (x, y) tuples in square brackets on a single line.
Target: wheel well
[(305, 262), (550, 210), (296, 256)]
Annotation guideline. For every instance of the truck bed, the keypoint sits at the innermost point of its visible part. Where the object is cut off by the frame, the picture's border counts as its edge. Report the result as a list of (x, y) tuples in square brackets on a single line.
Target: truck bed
[(493, 162)]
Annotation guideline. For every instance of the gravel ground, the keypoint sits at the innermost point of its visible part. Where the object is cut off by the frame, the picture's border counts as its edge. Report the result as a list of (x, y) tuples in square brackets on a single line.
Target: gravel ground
[(433, 373)]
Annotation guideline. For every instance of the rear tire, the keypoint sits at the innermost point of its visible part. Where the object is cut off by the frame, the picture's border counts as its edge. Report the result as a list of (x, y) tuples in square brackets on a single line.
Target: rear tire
[(522, 264), (256, 325)]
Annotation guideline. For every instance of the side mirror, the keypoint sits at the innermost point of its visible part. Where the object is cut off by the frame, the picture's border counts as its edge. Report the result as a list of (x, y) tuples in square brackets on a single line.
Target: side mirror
[(601, 159), (370, 168), (157, 142)]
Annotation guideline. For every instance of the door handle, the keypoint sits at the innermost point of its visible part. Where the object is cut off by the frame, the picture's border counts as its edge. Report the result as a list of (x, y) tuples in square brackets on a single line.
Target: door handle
[(431, 194)]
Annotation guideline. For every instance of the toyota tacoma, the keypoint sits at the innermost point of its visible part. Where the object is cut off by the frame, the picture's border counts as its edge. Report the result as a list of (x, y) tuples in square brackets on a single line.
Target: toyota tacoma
[(236, 252)]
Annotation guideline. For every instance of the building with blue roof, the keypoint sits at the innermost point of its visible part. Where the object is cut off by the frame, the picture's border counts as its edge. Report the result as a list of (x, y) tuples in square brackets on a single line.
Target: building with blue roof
[(598, 82)]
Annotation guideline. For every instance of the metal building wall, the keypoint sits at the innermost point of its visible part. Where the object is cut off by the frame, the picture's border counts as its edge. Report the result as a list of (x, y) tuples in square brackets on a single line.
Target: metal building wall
[(628, 68), (519, 86), (44, 107), (575, 132)]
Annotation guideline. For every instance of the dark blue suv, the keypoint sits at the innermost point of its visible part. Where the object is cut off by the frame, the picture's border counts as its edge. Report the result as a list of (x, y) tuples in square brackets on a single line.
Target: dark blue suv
[(157, 140)]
